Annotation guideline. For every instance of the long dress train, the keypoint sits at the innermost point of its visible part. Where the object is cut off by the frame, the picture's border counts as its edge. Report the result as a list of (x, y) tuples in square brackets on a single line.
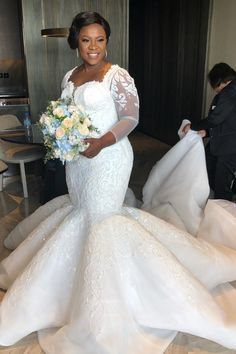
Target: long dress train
[(94, 276)]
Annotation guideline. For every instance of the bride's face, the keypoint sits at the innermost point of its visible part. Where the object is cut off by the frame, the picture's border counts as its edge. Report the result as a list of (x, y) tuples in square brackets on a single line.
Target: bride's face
[(92, 44)]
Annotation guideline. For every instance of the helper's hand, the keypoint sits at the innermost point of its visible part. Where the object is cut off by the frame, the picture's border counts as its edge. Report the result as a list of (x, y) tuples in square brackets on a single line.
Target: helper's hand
[(186, 128), (202, 133)]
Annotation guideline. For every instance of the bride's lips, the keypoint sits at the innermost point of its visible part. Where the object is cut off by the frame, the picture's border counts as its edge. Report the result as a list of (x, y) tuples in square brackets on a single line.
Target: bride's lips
[(93, 55)]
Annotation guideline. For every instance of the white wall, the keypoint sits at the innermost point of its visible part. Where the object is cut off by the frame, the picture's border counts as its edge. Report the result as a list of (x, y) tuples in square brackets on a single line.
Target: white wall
[(222, 39)]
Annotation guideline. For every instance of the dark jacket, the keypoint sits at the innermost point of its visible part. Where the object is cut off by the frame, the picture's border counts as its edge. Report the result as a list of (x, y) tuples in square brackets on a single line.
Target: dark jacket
[(221, 121)]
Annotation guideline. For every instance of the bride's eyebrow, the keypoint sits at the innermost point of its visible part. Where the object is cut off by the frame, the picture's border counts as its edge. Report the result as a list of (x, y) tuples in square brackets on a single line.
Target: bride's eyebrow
[(89, 37)]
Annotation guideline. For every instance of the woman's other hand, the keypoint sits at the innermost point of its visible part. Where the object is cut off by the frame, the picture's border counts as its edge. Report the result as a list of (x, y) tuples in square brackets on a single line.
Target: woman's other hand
[(202, 133)]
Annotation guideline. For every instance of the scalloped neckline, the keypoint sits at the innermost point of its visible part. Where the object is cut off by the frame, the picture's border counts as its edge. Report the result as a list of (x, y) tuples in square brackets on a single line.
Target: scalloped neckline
[(91, 81)]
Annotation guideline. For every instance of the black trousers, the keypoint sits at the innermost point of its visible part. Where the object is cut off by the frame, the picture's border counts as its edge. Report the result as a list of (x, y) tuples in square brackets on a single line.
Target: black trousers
[(54, 181), (221, 174)]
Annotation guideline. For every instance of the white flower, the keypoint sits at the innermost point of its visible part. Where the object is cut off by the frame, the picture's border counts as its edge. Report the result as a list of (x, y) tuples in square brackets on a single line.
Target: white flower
[(87, 122), (72, 108), (69, 156), (57, 153), (54, 104), (41, 120), (58, 111), (75, 116), (81, 110), (45, 119), (51, 130), (83, 129), (72, 140)]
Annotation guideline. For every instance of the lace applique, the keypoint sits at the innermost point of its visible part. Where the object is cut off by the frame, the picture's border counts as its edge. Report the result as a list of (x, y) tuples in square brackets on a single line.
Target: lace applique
[(123, 89)]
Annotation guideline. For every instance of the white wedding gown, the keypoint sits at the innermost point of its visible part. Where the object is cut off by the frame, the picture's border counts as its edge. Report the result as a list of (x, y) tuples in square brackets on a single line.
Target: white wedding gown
[(93, 276)]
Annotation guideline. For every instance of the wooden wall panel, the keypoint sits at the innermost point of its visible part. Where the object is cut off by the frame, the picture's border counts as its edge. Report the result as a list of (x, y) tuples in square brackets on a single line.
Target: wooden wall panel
[(48, 59)]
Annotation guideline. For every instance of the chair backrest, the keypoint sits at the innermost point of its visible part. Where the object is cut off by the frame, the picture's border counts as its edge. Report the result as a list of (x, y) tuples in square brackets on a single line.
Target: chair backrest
[(3, 166), (8, 121)]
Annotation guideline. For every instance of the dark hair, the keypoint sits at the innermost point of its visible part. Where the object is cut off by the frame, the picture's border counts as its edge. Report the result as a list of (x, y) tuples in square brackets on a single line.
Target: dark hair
[(85, 19), (221, 73)]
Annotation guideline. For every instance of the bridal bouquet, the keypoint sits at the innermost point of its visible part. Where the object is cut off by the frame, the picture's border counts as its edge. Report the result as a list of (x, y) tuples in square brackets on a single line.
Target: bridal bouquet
[(65, 126)]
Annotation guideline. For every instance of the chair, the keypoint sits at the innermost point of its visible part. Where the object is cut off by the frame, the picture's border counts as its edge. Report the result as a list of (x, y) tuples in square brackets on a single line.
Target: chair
[(18, 153), (3, 168), (8, 121)]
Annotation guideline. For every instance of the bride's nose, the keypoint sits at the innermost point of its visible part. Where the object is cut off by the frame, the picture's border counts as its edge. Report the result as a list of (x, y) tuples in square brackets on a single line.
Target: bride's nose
[(92, 45)]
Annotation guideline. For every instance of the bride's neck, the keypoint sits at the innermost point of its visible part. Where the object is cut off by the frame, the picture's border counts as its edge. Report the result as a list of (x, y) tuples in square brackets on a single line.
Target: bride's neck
[(92, 68)]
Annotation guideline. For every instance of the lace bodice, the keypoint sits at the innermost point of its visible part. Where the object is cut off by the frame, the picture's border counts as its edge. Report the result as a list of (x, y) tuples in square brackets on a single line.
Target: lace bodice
[(98, 185), (115, 94)]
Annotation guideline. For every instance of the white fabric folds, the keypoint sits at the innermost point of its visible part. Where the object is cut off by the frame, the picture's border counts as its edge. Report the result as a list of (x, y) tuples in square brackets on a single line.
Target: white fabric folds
[(94, 276)]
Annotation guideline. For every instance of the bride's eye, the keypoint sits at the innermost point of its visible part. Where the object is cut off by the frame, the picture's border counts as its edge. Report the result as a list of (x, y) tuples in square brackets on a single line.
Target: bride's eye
[(84, 40)]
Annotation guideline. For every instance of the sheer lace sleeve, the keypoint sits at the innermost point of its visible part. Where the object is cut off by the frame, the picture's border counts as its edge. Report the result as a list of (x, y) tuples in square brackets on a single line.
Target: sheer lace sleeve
[(126, 100)]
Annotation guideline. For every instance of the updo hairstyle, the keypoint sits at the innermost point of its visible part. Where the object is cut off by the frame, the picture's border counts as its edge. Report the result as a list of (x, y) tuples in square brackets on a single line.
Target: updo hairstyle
[(85, 19)]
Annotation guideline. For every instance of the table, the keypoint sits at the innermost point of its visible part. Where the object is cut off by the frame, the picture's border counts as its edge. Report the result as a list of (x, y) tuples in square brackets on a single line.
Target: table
[(18, 135), (12, 133), (54, 179)]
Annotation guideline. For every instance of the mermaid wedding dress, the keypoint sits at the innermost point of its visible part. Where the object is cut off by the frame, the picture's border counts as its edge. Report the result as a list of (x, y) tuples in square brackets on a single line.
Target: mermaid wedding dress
[(94, 276)]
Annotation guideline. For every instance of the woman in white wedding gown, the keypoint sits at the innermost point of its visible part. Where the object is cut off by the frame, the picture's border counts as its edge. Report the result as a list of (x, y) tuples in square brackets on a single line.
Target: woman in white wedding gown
[(92, 276)]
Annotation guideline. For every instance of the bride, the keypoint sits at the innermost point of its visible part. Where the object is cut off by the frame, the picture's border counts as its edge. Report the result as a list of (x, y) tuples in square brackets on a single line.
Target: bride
[(94, 276)]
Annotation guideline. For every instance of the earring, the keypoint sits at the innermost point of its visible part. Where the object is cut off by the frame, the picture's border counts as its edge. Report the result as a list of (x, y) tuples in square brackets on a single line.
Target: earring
[(77, 53), (105, 53)]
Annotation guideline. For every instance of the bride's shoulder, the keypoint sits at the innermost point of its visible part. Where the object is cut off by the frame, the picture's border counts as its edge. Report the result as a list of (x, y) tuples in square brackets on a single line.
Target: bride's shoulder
[(120, 82), (66, 77), (116, 69), (119, 74)]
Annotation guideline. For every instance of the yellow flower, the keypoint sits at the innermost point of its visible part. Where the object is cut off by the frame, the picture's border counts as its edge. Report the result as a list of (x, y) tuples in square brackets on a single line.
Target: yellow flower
[(60, 132), (67, 122)]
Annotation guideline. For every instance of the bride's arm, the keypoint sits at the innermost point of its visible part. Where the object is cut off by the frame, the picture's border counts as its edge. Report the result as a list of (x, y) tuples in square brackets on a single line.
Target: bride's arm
[(126, 100)]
